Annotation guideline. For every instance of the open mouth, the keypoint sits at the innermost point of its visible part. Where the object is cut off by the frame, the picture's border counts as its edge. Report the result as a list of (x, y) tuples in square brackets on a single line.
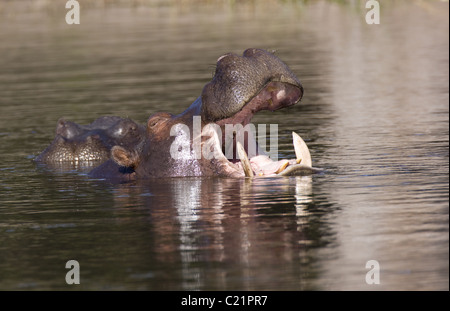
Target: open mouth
[(245, 161)]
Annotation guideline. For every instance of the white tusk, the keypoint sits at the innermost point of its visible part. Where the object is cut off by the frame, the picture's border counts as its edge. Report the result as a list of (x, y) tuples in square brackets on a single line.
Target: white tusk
[(301, 150), (244, 160), (282, 167)]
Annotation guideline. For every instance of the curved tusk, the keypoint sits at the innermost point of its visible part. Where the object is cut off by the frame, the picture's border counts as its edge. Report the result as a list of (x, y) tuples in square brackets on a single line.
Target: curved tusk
[(244, 160), (301, 150)]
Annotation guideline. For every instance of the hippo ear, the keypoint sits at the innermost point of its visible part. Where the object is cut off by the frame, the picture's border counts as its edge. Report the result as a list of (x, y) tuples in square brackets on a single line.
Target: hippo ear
[(68, 129), (61, 128), (123, 157)]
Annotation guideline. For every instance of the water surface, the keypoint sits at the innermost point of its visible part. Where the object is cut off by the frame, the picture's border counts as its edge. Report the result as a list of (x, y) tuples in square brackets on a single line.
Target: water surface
[(375, 116)]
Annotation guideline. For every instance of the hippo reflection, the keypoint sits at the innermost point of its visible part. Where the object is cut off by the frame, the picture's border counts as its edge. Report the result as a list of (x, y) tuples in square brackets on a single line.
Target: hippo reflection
[(242, 86)]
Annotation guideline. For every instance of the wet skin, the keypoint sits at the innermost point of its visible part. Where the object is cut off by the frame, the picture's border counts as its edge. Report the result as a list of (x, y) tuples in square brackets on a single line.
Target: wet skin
[(242, 86), (93, 142)]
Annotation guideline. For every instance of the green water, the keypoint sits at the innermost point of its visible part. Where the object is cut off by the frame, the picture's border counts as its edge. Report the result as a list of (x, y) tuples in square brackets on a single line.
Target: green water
[(374, 114)]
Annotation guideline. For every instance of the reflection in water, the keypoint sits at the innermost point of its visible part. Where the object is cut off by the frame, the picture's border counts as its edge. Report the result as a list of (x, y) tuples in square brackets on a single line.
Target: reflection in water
[(303, 191), (374, 114), (223, 223)]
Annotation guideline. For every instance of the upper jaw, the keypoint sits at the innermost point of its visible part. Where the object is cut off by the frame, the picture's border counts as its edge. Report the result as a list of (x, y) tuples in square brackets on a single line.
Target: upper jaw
[(239, 80), (273, 96)]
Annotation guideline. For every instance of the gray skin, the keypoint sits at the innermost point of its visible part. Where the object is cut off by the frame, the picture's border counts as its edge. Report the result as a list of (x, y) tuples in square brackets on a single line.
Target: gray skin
[(92, 142), (242, 86)]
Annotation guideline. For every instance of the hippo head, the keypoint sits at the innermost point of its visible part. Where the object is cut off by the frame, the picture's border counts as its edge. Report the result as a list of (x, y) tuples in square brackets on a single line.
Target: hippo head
[(242, 86), (92, 142)]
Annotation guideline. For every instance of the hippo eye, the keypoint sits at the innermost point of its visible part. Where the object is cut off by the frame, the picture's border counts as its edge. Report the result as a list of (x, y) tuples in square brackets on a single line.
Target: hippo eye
[(153, 122), (157, 120)]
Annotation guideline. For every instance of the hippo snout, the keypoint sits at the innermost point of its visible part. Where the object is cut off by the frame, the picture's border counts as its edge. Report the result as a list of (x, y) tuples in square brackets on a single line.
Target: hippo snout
[(238, 79)]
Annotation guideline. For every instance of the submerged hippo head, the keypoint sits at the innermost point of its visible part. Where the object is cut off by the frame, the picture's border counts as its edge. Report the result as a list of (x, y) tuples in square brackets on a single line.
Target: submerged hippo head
[(192, 143), (92, 142)]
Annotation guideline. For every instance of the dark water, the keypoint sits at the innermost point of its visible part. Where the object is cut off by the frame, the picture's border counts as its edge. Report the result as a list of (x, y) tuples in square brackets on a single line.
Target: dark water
[(375, 116)]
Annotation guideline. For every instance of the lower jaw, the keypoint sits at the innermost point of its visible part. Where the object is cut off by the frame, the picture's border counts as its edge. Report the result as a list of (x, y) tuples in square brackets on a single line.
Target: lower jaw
[(259, 164)]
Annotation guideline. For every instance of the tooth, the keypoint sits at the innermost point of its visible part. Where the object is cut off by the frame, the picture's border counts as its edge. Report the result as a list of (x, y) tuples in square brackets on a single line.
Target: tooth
[(301, 150), (244, 160), (282, 167)]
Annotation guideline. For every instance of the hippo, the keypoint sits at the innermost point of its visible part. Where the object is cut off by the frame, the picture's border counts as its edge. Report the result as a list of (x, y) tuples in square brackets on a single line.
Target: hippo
[(241, 86), (93, 142)]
